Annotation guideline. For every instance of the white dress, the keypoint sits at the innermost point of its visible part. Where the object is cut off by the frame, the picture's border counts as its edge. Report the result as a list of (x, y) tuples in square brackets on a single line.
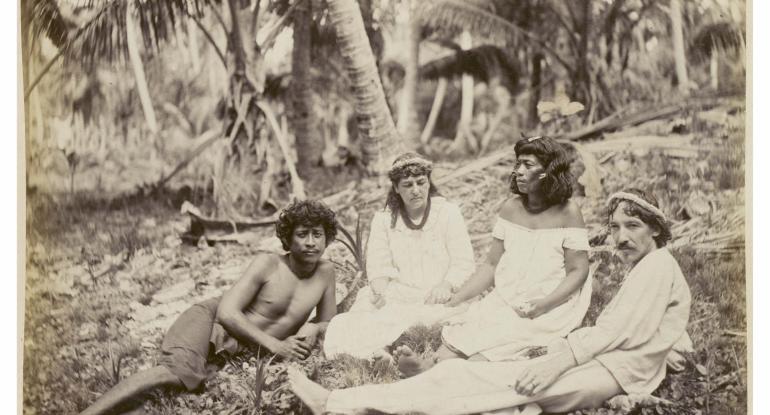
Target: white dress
[(531, 267), (414, 261)]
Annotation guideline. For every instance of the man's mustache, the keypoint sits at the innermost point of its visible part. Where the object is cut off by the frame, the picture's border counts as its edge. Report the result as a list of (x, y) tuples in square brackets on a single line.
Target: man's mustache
[(623, 245)]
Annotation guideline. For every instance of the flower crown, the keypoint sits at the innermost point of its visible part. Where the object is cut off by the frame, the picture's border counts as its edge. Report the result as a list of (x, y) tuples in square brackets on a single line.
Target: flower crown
[(639, 201), (418, 161)]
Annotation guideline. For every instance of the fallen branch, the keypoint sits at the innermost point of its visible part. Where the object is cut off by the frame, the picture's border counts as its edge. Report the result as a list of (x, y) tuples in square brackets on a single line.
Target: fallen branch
[(298, 189), (210, 137), (617, 120)]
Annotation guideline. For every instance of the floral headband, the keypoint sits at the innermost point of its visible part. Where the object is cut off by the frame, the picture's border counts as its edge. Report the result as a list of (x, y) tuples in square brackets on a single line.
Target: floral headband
[(639, 201), (417, 161)]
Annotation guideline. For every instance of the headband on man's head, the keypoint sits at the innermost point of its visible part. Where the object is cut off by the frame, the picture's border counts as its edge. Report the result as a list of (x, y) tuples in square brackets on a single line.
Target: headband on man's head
[(639, 201), (416, 160)]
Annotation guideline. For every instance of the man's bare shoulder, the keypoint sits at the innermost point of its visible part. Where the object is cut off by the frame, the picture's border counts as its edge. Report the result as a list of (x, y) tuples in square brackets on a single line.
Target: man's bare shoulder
[(326, 271), (262, 266)]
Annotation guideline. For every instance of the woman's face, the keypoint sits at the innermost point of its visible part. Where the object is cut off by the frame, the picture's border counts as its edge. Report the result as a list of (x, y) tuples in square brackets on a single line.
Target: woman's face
[(413, 191), (527, 172)]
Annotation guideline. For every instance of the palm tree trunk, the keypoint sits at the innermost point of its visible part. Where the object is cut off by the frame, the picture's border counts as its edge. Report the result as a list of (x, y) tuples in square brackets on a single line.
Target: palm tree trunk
[(407, 109), (675, 11), (192, 48), (714, 69), (379, 139), (136, 64), (464, 134), (308, 145), (582, 79), (438, 100), (535, 89)]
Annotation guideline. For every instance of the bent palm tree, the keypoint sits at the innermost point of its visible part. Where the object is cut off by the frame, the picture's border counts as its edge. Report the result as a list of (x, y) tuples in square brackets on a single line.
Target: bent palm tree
[(712, 40), (375, 124)]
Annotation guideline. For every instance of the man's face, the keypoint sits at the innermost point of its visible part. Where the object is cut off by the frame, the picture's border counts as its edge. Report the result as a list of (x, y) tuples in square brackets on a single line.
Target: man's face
[(633, 238), (414, 191), (308, 243)]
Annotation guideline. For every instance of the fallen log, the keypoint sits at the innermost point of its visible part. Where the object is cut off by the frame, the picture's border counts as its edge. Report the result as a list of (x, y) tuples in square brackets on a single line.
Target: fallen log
[(617, 120)]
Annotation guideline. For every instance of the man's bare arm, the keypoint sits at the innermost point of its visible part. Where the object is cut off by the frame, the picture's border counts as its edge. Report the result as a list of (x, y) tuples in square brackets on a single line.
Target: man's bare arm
[(327, 307)]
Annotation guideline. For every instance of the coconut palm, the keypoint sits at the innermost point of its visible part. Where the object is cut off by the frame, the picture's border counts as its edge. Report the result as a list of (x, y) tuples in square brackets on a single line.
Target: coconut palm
[(712, 40), (308, 146), (379, 139)]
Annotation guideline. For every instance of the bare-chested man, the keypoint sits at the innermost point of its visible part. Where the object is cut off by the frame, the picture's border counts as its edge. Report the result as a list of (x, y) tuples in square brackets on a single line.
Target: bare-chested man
[(268, 307)]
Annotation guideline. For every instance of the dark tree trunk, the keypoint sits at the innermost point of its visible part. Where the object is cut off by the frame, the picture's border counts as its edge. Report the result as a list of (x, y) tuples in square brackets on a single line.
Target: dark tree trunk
[(308, 144), (582, 77), (536, 80)]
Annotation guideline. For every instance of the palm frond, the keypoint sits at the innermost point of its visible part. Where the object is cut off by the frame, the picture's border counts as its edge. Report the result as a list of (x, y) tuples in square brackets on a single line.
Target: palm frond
[(721, 36), (483, 62), (483, 19), (44, 17), (103, 37), (450, 17)]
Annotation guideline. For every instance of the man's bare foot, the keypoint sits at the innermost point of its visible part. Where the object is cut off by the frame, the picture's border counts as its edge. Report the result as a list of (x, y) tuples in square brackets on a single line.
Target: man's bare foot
[(409, 363), (311, 393)]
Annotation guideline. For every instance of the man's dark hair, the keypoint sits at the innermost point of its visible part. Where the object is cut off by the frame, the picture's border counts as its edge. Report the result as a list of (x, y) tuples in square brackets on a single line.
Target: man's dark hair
[(556, 186), (654, 221), (305, 213)]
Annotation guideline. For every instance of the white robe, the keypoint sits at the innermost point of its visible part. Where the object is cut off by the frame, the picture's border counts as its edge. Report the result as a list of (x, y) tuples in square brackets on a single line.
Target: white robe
[(413, 262)]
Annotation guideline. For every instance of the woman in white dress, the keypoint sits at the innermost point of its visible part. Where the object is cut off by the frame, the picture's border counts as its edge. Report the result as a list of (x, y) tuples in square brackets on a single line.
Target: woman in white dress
[(537, 264), (418, 253)]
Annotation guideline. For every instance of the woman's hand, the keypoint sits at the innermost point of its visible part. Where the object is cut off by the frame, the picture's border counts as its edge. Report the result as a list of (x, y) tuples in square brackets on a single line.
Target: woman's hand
[(440, 294), (453, 301), (378, 299), (530, 309), (378, 287), (538, 376)]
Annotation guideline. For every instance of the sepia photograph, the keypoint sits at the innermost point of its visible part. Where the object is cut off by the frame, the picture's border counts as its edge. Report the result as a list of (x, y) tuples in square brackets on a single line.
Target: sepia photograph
[(254, 207)]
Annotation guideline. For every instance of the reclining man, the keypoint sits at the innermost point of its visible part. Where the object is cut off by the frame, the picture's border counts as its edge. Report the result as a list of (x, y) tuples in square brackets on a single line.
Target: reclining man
[(624, 352), (268, 307)]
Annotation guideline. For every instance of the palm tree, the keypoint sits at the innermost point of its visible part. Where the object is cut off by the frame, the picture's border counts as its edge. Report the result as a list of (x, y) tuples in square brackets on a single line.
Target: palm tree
[(108, 36), (376, 129), (485, 63), (677, 38), (714, 39), (407, 124), (308, 146)]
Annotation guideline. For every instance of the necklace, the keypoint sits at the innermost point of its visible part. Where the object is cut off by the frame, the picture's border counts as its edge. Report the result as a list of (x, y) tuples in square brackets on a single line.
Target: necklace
[(408, 221), (538, 209)]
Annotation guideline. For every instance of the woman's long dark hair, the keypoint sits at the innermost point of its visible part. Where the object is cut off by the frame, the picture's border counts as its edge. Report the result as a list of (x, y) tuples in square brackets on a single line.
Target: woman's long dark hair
[(556, 186), (393, 201)]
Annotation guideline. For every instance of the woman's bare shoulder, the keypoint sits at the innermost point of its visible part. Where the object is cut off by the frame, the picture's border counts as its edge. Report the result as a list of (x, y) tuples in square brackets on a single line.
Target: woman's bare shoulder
[(511, 208), (573, 216)]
